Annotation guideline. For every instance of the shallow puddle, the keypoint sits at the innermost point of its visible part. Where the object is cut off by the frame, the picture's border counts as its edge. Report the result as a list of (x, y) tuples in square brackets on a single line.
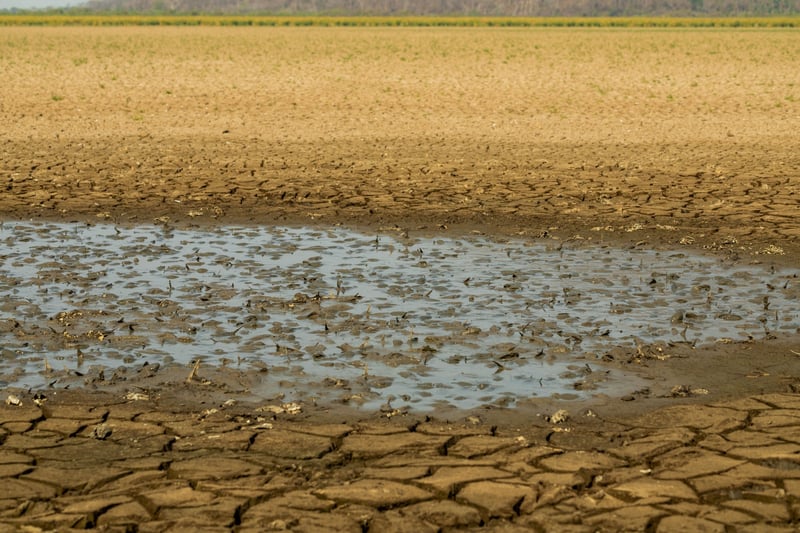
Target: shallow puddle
[(366, 318)]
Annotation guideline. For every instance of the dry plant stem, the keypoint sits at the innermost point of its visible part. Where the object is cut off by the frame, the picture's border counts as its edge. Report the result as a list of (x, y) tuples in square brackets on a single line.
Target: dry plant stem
[(193, 373)]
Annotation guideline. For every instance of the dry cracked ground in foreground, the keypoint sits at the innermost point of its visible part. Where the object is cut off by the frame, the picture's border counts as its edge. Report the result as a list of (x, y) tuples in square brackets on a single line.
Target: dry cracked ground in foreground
[(646, 138), (130, 465)]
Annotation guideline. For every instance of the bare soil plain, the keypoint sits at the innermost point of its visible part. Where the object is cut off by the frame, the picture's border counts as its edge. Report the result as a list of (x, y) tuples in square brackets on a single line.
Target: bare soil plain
[(681, 139)]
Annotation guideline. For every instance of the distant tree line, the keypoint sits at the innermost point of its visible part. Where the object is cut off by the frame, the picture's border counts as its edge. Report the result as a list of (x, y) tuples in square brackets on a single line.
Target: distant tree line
[(521, 8)]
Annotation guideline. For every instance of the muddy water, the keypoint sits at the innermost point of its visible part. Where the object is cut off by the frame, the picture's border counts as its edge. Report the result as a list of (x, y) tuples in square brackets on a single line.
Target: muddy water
[(366, 319)]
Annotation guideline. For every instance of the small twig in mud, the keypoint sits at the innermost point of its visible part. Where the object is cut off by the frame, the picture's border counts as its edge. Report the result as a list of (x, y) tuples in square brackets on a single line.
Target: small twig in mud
[(640, 351), (796, 353), (193, 373)]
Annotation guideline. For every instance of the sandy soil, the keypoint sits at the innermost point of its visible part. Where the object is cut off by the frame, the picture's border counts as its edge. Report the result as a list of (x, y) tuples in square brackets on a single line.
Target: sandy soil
[(654, 138), (510, 130)]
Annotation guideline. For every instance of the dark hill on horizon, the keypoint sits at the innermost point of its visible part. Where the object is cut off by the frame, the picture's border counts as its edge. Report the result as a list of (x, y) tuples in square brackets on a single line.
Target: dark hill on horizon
[(515, 8)]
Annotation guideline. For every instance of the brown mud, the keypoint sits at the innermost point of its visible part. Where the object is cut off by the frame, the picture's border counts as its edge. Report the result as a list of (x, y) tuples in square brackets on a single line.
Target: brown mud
[(584, 135)]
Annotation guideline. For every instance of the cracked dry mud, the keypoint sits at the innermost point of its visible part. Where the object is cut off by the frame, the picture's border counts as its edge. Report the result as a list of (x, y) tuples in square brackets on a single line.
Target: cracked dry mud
[(646, 139), (133, 464)]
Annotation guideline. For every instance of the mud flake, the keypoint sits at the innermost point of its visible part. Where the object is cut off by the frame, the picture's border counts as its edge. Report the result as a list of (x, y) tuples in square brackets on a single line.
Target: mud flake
[(729, 517), (645, 448), (745, 475), (444, 513), (205, 468), (479, 445), (75, 478), (681, 524), (175, 496), (776, 418), (398, 522), (137, 481), (25, 413), (14, 469), (770, 512), (576, 460), (789, 451), (499, 499), (635, 518), (445, 479), (124, 430), (125, 513), (596, 501), (25, 489), (221, 511), (290, 445), (655, 488), (792, 487), (377, 493), (333, 431), (782, 401), (688, 463), (694, 416), (383, 445), (400, 473), (94, 505)]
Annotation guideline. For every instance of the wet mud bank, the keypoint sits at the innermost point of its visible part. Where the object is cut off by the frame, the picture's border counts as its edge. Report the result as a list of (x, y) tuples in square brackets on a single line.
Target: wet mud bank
[(385, 321)]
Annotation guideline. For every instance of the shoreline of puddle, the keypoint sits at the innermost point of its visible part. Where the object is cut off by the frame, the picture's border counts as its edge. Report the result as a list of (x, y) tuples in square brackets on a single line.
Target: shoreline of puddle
[(367, 319)]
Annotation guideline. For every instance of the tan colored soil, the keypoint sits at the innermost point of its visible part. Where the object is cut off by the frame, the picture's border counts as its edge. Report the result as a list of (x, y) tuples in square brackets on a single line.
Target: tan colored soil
[(514, 130), (658, 138)]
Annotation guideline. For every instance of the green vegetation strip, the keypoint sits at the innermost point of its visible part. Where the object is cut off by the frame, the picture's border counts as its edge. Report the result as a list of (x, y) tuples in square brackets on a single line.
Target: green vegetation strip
[(49, 19)]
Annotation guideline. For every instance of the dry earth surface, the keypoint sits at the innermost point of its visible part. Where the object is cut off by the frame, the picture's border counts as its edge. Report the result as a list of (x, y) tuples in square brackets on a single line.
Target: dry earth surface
[(650, 138)]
